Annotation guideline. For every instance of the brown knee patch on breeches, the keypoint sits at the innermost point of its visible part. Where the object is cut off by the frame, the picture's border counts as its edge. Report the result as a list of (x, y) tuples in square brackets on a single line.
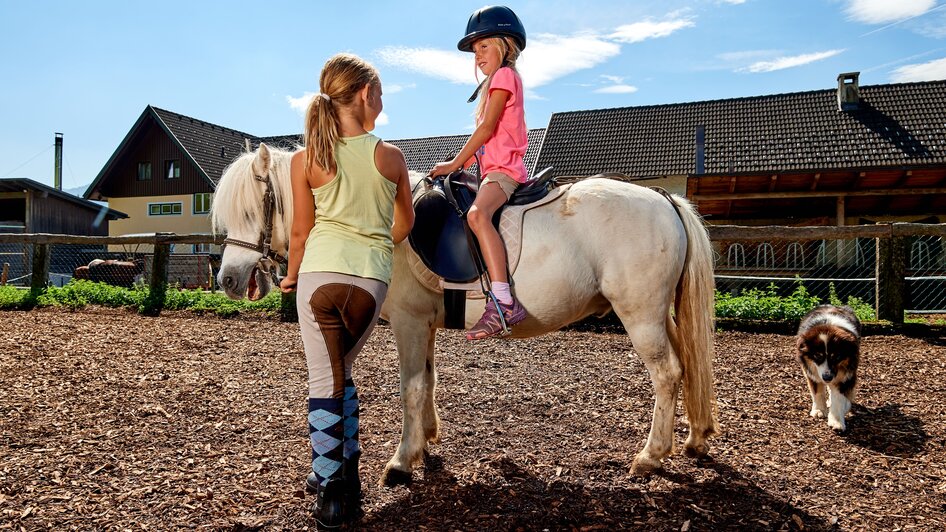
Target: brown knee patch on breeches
[(344, 313)]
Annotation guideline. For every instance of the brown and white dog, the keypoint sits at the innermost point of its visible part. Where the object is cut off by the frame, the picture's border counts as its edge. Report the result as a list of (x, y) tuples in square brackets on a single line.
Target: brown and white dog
[(828, 344)]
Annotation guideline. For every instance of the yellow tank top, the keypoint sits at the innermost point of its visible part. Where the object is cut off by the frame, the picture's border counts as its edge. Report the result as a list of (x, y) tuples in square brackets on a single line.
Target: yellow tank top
[(354, 213)]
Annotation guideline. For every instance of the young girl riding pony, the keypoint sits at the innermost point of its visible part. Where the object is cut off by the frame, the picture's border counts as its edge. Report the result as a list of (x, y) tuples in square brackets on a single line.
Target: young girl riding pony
[(496, 36)]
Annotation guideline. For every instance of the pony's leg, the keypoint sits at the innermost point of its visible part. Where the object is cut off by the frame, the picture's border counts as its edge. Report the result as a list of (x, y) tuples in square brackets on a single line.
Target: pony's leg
[(652, 344), (415, 343), (431, 419)]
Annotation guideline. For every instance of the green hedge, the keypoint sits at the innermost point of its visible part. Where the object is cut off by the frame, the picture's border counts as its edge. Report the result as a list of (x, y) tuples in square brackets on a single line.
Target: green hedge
[(752, 304), (78, 294)]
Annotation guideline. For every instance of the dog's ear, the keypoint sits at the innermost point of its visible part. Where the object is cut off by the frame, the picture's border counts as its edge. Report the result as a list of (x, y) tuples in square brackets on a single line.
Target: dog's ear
[(800, 345)]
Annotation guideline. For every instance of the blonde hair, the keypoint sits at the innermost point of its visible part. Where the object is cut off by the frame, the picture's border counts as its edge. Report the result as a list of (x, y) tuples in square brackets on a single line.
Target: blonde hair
[(342, 77), (510, 52)]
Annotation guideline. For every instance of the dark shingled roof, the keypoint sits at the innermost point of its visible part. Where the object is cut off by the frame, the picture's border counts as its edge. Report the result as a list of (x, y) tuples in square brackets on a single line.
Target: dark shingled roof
[(896, 125), (211, 147), (423, 153)]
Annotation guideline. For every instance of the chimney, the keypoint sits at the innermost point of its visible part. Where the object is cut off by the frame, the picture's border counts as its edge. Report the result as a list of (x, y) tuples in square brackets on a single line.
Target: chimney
[(57, 170), (700, 149), (848, 92)]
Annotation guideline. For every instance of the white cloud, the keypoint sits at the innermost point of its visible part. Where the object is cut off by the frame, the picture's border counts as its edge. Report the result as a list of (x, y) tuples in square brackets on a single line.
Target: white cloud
[(395, 88), (932, 70), (782, 63), (734, 2), (454, 67), (549, 57), (884, 11), (382, 120), (649, 29), (746, 55), (301, 103), (612, 79), (617, 89)]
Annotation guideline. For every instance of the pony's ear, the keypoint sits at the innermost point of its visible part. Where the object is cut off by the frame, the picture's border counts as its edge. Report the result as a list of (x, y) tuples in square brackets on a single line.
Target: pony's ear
[(262, 160)]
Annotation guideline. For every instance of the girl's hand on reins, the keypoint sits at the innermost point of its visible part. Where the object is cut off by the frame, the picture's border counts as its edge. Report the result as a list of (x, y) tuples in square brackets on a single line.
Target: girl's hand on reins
[(443, 168), (288, 284)]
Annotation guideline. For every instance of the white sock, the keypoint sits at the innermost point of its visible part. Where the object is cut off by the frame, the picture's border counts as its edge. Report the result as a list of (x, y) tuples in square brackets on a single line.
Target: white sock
[(501, 291)]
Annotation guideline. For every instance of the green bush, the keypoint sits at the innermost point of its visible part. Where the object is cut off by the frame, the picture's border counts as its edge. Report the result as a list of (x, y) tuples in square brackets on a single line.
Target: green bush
[(12, 298), (863, 310), (79, 293), (756, 304)]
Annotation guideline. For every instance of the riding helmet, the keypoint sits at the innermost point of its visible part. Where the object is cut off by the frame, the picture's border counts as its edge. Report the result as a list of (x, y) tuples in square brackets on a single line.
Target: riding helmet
[(490, 21)]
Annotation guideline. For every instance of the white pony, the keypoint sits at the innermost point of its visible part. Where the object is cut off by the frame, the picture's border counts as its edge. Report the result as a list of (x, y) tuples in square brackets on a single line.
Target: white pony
[(602, 245)]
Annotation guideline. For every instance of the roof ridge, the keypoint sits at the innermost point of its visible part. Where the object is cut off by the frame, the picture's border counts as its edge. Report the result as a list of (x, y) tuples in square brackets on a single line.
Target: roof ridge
[(869, 88), (159, 111)]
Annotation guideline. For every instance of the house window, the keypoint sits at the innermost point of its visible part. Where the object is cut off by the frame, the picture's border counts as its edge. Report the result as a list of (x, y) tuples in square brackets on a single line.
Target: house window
[(164, 209), (172, 169), (202, 248), (144, 171), (202, 203)]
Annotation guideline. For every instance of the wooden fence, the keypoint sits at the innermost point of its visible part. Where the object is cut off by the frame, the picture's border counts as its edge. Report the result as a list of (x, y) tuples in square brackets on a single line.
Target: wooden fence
[(891, 253)]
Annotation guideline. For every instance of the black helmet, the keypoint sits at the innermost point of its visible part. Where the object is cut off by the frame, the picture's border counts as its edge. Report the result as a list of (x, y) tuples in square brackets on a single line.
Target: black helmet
[(491, 21)]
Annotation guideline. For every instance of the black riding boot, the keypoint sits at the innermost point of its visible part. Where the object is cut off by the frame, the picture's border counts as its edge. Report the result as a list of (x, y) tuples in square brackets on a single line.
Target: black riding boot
[(352, 484), (351, 478), (329, 508)]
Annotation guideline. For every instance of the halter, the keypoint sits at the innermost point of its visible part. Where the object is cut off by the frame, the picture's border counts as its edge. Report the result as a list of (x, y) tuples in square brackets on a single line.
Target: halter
[(269, 258)]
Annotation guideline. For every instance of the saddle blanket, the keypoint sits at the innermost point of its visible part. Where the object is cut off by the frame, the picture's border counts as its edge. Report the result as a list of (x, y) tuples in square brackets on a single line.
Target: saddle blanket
[(510, 229)]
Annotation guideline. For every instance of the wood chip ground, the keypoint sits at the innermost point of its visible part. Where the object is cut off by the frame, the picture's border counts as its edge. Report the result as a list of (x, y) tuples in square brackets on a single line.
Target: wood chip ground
[(113, 421)]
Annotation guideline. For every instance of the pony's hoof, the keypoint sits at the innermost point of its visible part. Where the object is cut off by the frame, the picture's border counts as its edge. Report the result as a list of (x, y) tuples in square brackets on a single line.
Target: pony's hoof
[(696, 450), (395, 477), (644, 467)]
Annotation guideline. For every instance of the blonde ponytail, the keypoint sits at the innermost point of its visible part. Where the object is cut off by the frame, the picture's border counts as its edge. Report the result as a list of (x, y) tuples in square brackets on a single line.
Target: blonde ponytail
[(343, 76), (510, 52)]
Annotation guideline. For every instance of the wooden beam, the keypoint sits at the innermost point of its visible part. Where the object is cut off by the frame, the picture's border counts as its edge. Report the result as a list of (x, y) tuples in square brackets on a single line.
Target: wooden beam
[(819, 194), (780, 232), (47, 238)]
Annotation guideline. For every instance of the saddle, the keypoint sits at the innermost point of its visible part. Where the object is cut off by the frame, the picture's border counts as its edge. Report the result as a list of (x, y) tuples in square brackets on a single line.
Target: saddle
[(442, 239)]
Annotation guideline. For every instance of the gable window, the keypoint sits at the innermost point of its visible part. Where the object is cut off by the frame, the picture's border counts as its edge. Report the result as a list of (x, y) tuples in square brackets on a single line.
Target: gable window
[(202, 203), (164, 209), (144, 171), (172, 169)]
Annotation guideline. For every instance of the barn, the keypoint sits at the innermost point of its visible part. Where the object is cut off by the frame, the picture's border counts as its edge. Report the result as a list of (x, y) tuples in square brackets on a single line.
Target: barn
[(27, 206)]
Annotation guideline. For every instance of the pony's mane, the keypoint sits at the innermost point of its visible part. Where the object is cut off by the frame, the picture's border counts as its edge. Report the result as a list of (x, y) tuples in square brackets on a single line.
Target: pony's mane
[(238, 206)]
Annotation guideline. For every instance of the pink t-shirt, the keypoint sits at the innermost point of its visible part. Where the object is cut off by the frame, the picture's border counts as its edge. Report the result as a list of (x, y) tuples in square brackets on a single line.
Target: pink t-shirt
[(503, 152)]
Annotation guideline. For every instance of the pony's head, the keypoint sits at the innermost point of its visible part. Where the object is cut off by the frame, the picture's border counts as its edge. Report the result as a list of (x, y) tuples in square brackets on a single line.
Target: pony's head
[(239, 210)]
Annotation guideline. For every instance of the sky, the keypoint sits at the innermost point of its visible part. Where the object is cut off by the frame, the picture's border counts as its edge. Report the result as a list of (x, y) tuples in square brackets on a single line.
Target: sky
[(88, 69)]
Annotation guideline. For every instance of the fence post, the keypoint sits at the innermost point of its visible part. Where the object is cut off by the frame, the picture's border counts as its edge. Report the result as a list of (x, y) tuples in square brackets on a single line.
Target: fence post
[(40, 276), (159, 278), (891, 283), (5, 275)]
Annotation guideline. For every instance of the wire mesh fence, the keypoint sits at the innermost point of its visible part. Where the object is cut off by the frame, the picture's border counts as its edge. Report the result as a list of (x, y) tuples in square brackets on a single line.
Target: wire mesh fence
[(841, 267), (120, 265)]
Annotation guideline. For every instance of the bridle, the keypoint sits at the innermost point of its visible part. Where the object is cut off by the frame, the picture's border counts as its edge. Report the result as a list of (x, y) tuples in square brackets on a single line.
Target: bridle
[(268, 258)]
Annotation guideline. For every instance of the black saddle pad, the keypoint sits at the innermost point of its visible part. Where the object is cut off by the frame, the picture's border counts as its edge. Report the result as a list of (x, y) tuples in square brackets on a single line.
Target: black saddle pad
[(440, 236)]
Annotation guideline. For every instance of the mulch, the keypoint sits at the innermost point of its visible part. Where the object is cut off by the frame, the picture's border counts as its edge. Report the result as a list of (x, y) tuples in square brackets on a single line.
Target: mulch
[(114, 421)]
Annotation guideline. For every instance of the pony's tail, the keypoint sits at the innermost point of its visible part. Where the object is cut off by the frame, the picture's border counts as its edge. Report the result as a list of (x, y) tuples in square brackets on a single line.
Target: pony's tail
[(693, 310)]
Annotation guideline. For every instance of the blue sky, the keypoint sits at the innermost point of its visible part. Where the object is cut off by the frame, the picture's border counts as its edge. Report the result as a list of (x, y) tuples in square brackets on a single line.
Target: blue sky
[(88, 69)]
